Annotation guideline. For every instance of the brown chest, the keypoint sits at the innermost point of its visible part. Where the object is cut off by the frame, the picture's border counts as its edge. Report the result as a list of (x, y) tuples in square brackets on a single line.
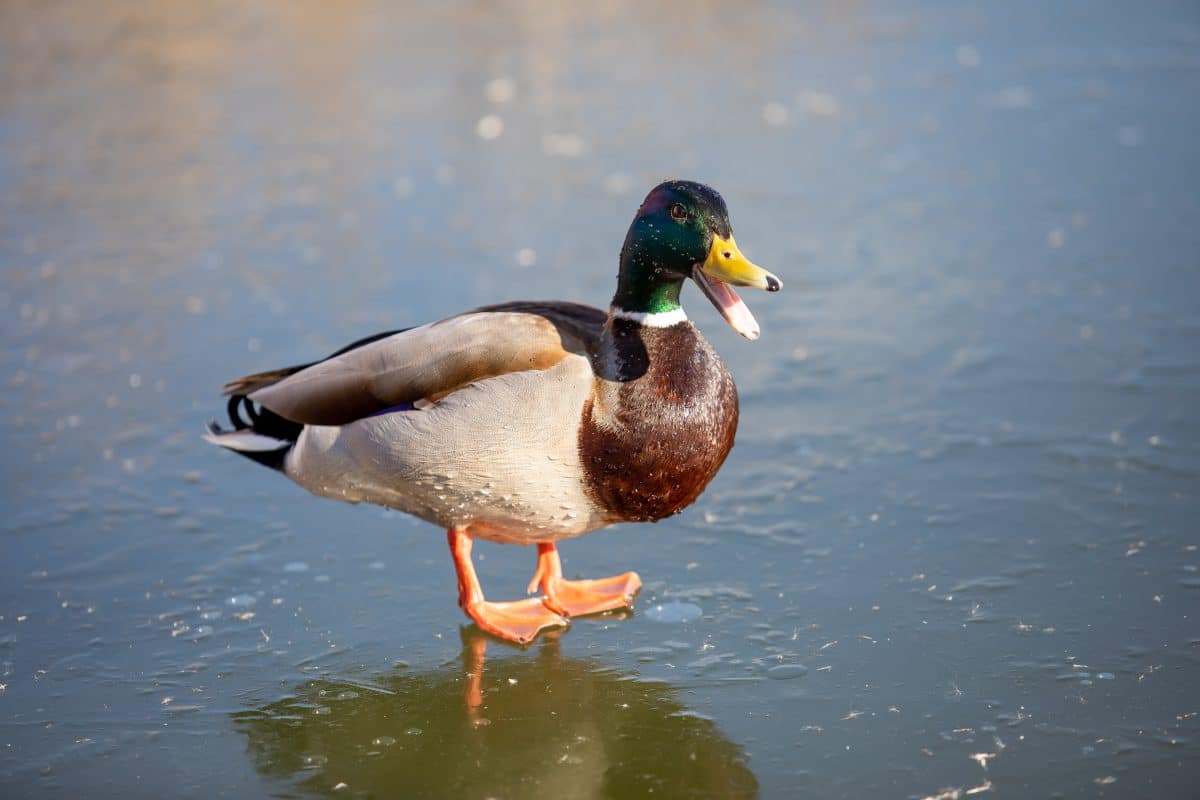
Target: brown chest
[(659, 425)]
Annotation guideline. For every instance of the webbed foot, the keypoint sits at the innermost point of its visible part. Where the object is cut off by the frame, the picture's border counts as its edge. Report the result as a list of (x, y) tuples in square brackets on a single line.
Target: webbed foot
[(516, 621), (582, 597)]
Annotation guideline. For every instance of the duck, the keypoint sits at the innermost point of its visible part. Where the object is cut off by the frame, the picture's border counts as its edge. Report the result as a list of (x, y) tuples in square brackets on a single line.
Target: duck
[(527, 422)]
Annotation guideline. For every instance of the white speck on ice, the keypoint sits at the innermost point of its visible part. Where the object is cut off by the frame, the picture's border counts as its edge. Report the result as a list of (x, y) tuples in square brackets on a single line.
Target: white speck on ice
[(526, 257), (1011, 98), (566, 145), (500, 90), (775, 114), (967, 56), (618, 183), (489, 127), (1130, 136), (403, 186), (819, 104)]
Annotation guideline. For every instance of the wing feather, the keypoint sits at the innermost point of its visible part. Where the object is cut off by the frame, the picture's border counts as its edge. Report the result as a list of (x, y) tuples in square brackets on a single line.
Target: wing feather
[(427, 362)]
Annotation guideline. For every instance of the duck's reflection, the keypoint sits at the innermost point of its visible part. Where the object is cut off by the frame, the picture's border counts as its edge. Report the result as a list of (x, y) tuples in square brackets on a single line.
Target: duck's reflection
[(529, 725)]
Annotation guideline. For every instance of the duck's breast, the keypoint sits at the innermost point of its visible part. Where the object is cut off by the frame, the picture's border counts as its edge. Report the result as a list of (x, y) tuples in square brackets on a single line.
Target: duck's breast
[(660, 423)]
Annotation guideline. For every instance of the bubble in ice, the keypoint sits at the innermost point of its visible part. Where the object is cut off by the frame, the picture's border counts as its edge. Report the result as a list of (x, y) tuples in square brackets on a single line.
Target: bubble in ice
[(295, 566), (785, 672), (673, 613), (242, 600)]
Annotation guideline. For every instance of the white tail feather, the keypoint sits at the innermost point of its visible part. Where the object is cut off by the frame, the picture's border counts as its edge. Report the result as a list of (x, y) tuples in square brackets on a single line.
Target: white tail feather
[(247, 441)]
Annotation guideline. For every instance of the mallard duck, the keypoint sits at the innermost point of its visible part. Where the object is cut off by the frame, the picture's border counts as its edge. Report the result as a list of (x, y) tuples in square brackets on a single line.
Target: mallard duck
[(527, 422)]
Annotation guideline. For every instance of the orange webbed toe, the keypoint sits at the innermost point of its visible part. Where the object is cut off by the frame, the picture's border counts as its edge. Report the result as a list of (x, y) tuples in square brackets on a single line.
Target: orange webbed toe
[(594, 596), (582, 597), (517, 621)]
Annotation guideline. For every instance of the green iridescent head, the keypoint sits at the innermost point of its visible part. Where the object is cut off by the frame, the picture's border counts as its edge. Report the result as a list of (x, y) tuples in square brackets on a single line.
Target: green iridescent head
[(682, 231)]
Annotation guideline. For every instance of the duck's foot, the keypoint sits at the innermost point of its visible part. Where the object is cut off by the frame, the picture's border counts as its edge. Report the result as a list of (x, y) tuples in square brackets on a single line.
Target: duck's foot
[(517, 621), (579, 598)]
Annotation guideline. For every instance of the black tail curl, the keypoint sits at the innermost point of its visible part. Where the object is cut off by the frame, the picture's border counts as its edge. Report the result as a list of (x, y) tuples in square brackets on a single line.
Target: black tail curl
[(261, 420), (246, 415)]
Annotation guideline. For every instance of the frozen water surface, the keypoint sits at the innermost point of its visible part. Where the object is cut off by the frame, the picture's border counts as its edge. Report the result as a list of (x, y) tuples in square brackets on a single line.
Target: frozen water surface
[(955, 548)]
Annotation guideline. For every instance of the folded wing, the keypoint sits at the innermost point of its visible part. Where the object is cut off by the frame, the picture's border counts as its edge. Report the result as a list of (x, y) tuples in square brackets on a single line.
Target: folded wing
[(425, 363)]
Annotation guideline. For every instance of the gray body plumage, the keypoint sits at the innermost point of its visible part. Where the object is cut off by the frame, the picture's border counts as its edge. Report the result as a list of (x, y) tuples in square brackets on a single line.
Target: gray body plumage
[(499, 456)]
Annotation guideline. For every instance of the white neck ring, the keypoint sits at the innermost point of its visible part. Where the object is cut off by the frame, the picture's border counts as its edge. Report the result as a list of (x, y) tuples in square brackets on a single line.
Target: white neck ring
[(661, 319)]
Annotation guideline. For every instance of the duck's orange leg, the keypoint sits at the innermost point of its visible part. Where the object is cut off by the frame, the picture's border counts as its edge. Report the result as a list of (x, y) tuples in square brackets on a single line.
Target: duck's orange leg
[(473, 653), (576, 598), (518, 621)]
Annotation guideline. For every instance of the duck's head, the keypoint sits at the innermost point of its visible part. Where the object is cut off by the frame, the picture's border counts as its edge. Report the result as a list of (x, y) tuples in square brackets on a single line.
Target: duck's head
[(682, 231)]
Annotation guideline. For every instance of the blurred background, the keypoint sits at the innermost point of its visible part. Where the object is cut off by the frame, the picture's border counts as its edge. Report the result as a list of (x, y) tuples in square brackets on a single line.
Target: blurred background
[(953, 552)]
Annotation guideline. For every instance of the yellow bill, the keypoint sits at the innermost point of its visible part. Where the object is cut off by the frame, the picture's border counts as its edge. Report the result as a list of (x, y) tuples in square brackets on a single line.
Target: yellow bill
[(724, 268)]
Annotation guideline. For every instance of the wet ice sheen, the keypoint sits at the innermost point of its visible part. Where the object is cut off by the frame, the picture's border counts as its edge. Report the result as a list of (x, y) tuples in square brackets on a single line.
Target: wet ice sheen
[(963, 494)]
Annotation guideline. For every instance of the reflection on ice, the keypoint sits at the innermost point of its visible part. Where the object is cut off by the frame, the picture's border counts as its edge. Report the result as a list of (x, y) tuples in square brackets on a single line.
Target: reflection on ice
[(525, 724)]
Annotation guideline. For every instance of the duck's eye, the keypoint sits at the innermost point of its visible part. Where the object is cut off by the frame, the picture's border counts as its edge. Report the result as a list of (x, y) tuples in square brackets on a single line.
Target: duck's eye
[(678, 212)]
